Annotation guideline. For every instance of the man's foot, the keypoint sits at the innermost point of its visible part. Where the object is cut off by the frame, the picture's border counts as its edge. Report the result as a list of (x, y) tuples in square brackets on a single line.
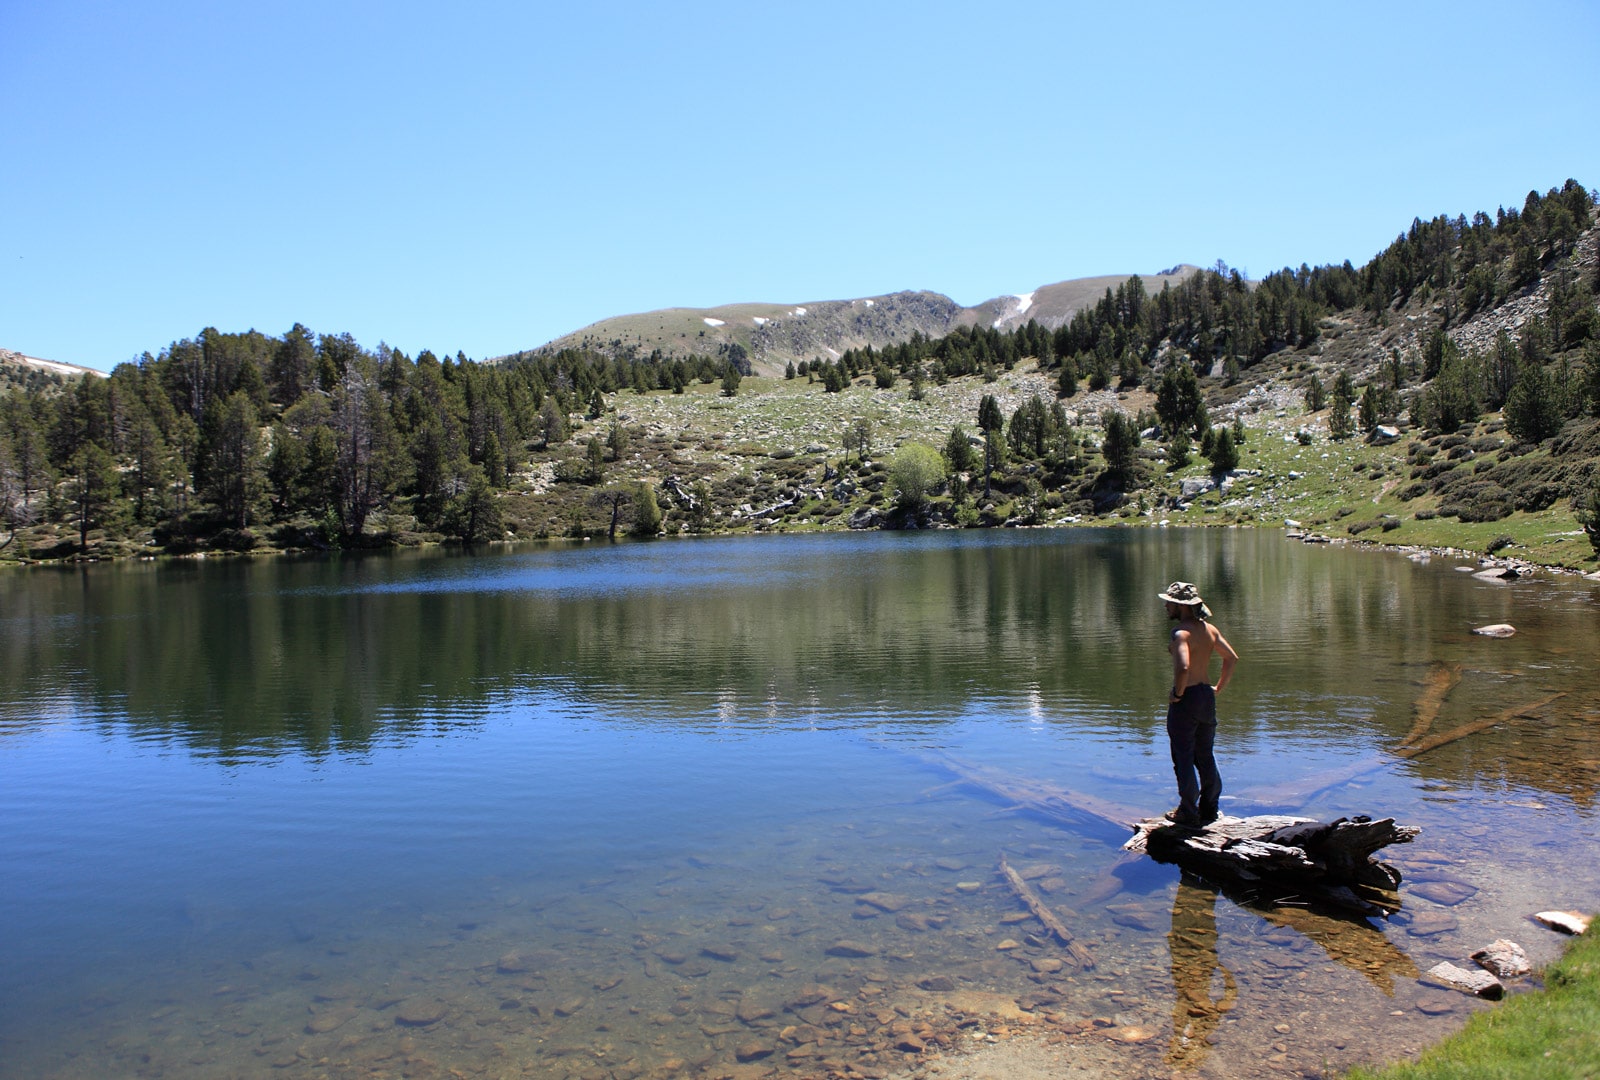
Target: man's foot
[(1179, 816), (1208, 816)]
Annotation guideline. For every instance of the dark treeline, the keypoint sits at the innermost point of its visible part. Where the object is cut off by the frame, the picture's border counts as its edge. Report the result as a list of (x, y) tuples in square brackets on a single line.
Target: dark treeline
[(1211, 315), (1482, 262), (310, 434)]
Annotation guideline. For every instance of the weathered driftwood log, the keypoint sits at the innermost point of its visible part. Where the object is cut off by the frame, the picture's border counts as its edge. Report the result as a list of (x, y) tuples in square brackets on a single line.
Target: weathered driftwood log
[(1043, 913), (1285, 858)]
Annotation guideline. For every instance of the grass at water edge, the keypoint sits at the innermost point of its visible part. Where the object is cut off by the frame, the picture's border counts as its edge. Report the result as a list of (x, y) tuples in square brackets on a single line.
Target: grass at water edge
[(1549, 1034)]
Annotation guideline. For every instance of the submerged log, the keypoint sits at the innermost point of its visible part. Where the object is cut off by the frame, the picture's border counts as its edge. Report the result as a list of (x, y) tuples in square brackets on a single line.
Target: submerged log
[(1285, 858), (1521, 712), (1298, 792), (1042, 912), (1442, 679), (1036, 796)]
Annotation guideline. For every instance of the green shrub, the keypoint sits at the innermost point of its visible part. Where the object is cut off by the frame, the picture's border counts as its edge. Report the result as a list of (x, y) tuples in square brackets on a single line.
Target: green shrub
[(1480, 500), (1588, 511), (1537, 495), (1498, 543)]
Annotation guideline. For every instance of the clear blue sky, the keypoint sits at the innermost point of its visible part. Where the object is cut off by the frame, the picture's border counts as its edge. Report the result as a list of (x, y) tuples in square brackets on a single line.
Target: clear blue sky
[(486, 176)]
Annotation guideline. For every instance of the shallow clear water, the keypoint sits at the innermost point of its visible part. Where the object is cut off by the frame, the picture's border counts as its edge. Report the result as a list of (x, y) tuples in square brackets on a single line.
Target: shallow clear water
[(650, 809)]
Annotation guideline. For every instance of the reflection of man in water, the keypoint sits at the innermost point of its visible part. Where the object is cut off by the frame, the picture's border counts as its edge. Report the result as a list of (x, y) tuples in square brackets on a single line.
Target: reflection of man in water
[(1193, 947)]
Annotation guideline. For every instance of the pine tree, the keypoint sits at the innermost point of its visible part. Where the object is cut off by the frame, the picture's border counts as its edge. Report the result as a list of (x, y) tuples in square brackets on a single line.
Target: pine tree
[(1120, 442), (1316, 397), (1224, 454), (958, 451), (1369, 409), (1533, 409), (1067, 380), (1340, 425), (646, 511)]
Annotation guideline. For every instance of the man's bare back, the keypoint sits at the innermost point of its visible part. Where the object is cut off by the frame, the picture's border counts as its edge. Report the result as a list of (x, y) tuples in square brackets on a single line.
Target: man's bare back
[(1192, 646)]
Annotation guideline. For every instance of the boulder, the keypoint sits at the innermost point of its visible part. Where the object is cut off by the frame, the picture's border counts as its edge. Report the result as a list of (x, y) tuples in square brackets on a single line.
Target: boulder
[(1446, 892), (851, 949), (1568, 922), (1196, 485), (1383, 434), (1497, 573), (1481, 983), (1503, 959), (420, 1012)]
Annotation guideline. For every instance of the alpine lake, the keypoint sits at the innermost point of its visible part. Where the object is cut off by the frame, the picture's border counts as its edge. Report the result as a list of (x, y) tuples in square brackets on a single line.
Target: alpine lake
[(688, 807)]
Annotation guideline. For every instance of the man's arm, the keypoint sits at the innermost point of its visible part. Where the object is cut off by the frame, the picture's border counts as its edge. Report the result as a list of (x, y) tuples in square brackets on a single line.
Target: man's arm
[(1229, 657), (1180, 663)]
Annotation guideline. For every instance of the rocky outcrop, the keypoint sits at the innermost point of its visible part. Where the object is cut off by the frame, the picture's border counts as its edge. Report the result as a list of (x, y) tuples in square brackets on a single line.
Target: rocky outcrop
[(825, 330)]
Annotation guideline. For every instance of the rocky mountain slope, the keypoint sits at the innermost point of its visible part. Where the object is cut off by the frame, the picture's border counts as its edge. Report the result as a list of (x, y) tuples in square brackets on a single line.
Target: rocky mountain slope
[(772, 335), (19, 370)]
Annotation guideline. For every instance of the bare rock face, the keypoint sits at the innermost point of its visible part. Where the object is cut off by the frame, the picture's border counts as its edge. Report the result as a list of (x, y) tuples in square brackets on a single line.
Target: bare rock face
[(1503, 959), (1481, 983)]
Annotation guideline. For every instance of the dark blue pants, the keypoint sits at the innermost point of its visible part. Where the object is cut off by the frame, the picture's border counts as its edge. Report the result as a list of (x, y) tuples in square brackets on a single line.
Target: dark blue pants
[(1192, 730)]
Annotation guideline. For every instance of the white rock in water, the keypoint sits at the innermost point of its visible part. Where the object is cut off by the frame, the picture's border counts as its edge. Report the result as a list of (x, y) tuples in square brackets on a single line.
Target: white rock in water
[(1498, 629), (1504, 959), (1568, 922), (1480, 983)]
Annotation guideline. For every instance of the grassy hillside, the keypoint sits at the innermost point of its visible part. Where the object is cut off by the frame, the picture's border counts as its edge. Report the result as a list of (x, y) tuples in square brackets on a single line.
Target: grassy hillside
[(778, 441)]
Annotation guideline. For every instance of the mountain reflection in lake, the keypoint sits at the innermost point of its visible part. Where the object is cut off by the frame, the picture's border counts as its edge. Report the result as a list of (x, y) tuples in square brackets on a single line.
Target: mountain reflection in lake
[(676, 809)]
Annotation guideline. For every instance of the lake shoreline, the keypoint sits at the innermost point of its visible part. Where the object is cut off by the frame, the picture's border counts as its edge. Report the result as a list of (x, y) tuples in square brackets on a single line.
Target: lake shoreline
[(1521, 567)]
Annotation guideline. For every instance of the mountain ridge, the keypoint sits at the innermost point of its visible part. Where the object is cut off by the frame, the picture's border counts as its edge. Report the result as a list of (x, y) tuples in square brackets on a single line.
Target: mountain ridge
[(772, 335)]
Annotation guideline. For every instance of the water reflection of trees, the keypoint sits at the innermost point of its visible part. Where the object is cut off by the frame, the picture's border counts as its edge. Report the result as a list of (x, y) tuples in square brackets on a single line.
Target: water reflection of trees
[(339, 653)]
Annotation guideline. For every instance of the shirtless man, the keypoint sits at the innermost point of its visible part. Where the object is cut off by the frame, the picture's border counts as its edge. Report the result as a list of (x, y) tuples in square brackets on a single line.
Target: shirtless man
[(1192, 704)]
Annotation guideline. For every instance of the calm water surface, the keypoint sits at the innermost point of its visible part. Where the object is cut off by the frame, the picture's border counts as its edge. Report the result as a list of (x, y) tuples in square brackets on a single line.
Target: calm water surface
[(649, 810)]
